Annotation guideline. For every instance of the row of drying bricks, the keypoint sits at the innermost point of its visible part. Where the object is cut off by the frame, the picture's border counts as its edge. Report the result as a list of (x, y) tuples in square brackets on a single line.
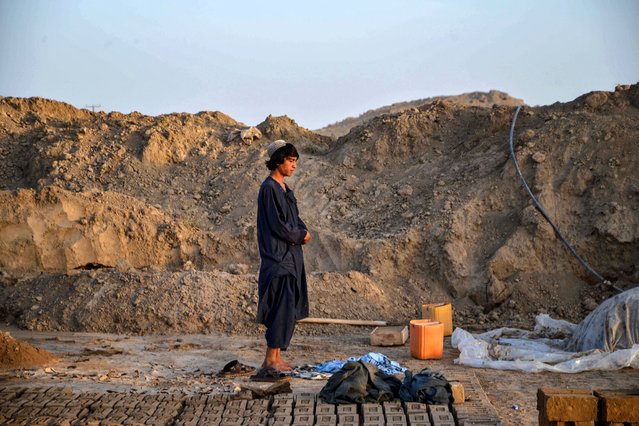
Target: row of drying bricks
[(61, 406), (301, 410)]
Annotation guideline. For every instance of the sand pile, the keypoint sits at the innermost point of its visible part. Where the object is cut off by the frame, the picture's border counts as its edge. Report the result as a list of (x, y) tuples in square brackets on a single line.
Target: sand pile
[(17, 354), (132, 223)]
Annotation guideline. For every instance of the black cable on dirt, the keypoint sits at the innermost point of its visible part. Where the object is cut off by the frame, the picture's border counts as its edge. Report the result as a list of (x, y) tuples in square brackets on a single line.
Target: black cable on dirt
[(545, 215)]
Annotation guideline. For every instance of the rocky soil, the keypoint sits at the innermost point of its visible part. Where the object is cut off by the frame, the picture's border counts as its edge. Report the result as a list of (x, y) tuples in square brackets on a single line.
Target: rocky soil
[(483, 99), (138, 224)]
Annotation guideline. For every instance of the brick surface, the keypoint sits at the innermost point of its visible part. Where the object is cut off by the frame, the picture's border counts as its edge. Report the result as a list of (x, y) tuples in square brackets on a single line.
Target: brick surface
[(347, 418), (416, 407), (619, 406), (574, 405), (324, 409), (326, 419), (373, 418), (347, 409), (371, 409)]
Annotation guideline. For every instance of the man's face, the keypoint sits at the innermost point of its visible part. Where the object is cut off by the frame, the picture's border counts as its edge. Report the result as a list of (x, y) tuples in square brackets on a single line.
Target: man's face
[(288, 166)]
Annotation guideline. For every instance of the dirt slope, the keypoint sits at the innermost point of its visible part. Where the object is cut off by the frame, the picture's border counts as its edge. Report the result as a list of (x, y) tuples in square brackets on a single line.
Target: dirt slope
[(482, 99), (131, 223)]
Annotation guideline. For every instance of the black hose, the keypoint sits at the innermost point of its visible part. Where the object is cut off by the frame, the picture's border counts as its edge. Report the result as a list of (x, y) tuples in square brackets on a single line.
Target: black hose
[(545, 215)]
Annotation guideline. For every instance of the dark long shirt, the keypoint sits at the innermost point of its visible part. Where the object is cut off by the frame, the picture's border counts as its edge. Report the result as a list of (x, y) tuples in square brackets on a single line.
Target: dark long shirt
[(280, 233)]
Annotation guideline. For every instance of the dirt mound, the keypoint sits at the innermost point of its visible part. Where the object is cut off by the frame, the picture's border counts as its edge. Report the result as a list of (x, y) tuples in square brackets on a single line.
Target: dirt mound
[(17, 354), (482, 99), (415, 207)]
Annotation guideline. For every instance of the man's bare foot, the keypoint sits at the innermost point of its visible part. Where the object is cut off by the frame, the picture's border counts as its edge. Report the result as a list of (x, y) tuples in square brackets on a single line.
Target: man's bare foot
[(279, 365)]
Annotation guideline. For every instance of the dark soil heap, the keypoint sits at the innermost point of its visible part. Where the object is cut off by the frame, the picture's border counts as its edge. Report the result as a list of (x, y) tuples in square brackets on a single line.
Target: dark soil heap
[(131, 223)]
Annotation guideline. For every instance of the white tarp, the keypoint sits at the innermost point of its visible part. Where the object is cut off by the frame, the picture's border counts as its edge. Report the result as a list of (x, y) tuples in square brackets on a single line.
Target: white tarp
[(607, 339)]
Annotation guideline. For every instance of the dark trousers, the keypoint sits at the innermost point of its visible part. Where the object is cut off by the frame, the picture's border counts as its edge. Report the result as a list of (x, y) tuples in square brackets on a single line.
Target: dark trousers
[(283, 296)]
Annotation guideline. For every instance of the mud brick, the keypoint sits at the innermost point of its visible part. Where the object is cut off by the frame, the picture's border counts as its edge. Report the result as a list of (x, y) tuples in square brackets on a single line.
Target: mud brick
[(59, 402), (281, 396), (306, 395), (305, 411), (458, 392), (324, 409), (255, 420), (347, 409), (72, 412), (304, 403), (10, 411), (373, 418), (416, 407), (281, 420), (283, 402), (388, 404), (375, 409), (51, 411), (232, 413), (418, 418), (307, 420), (26, 412), (620, 406), (283, 411), (396, 418), (326, 419), (239, 404), (210, 421), (231, 422), (37, 390), (100, 414), (440, 418), (392, 410), (258, 403), (566, 405), (347, 417)]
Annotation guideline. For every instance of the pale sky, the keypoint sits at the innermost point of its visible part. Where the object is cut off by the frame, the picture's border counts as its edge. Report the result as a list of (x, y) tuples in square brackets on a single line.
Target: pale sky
[(317, 62)]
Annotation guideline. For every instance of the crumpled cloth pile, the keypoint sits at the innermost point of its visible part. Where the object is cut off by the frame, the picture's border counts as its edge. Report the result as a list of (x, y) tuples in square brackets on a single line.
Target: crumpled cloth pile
[(381, 361)]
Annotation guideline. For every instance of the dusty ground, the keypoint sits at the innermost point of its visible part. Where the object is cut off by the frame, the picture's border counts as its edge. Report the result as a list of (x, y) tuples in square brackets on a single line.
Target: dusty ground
[(142, 225), (184, 364)]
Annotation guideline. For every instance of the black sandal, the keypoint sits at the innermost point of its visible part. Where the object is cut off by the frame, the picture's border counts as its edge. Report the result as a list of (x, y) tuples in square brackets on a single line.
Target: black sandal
[(269, 374), (236, 369)]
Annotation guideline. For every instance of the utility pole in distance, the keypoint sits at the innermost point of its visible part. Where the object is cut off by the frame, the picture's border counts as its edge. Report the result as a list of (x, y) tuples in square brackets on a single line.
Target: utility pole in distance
[(93, 107)]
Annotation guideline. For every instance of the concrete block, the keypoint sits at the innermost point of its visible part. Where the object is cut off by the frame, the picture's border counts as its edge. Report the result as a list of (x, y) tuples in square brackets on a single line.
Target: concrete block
[(618, 405)]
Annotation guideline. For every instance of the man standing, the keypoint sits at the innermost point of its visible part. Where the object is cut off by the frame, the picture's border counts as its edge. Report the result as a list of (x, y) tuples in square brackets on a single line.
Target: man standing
[(283, 296)]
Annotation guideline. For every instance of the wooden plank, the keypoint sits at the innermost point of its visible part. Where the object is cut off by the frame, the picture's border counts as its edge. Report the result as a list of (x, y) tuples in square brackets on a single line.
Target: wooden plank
[(341, 321), (389, 336)]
